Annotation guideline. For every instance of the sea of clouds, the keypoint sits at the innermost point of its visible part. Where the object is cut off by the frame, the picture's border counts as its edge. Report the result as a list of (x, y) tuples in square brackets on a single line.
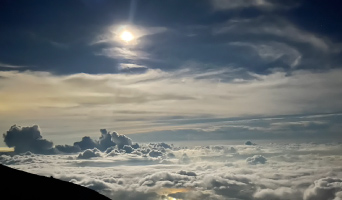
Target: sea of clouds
[(120, 169)]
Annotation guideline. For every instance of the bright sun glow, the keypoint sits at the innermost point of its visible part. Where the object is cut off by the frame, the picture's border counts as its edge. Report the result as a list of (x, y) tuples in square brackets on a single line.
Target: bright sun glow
[(126, 36)]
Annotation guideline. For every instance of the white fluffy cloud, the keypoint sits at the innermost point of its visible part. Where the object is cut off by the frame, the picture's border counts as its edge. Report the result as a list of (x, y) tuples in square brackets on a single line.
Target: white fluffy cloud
[(278, 193), (256, 159), (89, 153), (326, 188), (292, 171)]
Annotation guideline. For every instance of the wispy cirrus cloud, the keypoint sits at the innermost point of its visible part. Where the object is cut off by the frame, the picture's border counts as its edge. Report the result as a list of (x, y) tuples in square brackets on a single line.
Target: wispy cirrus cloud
[(274, 51), (10, 66), (260, 4), (278, 27)]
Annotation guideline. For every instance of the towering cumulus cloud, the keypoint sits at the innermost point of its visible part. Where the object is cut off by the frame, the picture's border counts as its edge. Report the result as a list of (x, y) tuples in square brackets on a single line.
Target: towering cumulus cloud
[(25, 139), (105, 141), (121, 140)]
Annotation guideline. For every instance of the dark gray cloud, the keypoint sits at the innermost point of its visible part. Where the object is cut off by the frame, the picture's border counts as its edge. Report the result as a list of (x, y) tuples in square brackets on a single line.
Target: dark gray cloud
[(160, 145), (187, 173), (68, 148), (155, 153), (25, 139), (249, 143), (133, 195), (121, 140), (29, 139), (86, 143), (127, 149), (105, 141)]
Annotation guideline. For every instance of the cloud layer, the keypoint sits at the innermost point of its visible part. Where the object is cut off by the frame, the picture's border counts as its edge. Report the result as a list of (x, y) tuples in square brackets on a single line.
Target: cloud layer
[(293, 171)]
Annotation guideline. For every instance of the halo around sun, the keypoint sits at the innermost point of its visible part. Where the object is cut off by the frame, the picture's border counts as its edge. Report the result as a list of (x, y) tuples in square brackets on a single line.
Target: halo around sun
[(126, 36)]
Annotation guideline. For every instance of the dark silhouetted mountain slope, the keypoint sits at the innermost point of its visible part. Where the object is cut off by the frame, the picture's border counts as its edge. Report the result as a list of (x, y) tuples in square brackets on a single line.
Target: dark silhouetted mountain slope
[(16, 184)]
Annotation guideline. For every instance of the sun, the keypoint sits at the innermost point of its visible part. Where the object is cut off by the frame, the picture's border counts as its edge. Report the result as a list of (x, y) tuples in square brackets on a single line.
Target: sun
[(126, 36)]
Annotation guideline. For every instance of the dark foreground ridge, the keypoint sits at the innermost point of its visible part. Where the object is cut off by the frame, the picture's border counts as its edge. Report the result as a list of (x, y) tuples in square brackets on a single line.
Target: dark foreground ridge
[(22, 185)]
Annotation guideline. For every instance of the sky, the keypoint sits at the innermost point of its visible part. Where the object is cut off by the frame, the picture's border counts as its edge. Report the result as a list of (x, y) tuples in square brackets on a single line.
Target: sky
[(175, 99), (189, 70)]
